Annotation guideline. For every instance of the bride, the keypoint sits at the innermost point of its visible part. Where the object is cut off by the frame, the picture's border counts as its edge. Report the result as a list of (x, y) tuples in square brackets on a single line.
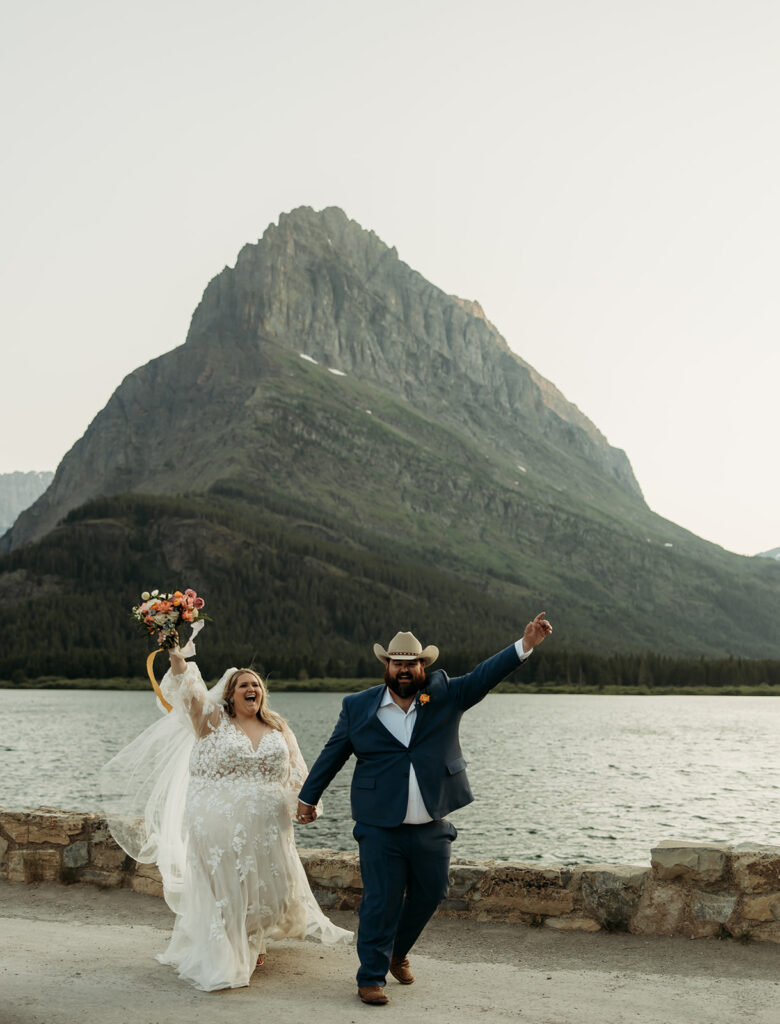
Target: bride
[(215, 784)]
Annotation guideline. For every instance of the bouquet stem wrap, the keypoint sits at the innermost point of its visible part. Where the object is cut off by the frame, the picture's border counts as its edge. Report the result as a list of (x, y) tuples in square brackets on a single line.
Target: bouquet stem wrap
[(155, 684)]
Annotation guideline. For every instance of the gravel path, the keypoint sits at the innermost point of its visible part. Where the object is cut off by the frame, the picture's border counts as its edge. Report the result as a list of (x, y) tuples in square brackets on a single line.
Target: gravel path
[(80, 955)]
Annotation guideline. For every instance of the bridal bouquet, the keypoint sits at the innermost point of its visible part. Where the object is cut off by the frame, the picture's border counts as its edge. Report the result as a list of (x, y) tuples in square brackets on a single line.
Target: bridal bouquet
[(162, 614)]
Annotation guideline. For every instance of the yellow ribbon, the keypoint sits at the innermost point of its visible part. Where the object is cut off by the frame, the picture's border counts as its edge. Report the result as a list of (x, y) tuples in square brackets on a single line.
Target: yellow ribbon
[(155, 684)]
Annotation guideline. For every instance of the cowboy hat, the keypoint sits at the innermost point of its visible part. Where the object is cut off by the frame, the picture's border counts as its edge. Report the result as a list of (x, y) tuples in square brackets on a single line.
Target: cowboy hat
[(406, 647)]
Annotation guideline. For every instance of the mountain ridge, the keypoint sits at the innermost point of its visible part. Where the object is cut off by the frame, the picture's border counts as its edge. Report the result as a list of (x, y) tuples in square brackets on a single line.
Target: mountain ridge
[(268, 296), (329, 391)]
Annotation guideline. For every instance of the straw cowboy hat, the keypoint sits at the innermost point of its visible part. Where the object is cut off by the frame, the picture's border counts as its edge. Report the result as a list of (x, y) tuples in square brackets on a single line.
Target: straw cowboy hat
[(406, 647)]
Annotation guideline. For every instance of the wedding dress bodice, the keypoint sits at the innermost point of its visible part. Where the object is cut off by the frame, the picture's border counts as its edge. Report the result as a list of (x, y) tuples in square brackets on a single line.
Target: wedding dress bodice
[(226, 753)]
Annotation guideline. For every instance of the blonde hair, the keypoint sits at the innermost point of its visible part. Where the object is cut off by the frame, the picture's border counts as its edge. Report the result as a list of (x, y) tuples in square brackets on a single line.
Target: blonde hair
[(264, 713)]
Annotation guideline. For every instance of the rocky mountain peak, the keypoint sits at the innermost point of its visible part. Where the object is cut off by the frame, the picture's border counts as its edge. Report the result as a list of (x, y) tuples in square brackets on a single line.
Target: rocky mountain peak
[(321, 284), (318, 284)]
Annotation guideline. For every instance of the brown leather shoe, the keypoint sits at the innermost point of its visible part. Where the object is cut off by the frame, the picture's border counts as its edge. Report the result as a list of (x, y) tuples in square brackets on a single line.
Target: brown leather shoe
[(400, 969), (374, 995)]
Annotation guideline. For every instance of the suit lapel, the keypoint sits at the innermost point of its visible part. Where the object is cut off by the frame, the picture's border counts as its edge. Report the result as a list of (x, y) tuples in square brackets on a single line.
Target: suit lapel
[(425, 710), (418, 723), (373, 721)]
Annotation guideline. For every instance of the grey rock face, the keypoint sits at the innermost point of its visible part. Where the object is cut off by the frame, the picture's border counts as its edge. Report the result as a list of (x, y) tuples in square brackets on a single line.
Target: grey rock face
[(321, 285), (318, 284), (18, 491)]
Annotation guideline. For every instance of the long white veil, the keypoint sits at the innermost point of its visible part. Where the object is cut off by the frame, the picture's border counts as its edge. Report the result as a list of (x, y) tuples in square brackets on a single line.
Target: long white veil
[(144, 788)]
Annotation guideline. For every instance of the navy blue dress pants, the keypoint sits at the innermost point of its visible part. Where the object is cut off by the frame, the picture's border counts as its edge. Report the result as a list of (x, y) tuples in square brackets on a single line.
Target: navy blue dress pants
[(405, 873)]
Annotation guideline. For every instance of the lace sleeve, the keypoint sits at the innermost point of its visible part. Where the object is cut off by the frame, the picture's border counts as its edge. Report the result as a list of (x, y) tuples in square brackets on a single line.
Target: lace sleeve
[(189, 697), (298, 774)]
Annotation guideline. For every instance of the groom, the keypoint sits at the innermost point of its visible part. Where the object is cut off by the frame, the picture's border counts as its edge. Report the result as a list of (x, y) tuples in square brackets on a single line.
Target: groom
[(410, 773)]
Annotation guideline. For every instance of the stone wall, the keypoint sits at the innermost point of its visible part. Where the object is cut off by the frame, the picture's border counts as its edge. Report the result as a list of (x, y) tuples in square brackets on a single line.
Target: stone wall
[(700, 890)]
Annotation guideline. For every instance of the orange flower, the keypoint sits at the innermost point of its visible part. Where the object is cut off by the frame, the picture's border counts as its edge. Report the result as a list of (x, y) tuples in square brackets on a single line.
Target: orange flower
[(424, 698), (187, 615)]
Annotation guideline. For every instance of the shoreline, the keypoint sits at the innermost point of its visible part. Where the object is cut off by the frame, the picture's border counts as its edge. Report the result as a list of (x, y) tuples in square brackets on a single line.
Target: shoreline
[(327, 685)]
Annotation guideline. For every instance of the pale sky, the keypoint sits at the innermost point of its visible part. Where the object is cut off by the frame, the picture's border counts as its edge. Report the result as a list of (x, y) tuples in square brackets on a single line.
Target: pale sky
[(601, 175)]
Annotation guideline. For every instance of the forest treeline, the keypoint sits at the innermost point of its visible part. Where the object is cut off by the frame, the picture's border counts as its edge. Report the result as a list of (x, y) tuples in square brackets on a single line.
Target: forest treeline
[(286, 597), (576, 672)]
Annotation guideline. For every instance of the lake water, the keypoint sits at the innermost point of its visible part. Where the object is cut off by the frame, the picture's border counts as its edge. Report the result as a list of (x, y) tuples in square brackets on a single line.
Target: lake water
[(557, 779)]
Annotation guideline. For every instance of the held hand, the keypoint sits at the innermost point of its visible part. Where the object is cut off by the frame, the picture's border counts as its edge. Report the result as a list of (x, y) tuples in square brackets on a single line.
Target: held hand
[(536, 631), (305, 814)]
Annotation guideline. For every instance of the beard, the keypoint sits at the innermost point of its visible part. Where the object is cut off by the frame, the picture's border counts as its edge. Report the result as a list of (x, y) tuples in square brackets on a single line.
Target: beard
[(407, 687)]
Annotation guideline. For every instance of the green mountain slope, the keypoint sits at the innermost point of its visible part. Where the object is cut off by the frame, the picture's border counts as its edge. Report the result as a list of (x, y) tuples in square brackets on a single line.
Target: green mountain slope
[(339, 451)]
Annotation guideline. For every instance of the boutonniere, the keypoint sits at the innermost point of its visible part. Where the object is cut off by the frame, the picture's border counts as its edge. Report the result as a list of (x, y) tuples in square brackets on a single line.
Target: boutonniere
[(423, 698)]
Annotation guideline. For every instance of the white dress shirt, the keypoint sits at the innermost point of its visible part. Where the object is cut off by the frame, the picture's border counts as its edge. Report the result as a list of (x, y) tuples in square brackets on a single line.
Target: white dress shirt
[(400, 723)]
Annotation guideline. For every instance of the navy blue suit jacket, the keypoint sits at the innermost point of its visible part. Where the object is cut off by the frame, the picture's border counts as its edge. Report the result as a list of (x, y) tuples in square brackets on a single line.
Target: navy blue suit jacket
[(380, 783)]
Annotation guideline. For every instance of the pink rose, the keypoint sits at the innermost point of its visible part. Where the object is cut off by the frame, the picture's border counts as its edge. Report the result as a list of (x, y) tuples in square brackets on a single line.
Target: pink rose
[(198, 602)]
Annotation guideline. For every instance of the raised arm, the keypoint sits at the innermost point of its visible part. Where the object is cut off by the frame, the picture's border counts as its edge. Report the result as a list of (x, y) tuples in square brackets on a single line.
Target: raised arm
[(178, 664), (472, 687), (183, 687)]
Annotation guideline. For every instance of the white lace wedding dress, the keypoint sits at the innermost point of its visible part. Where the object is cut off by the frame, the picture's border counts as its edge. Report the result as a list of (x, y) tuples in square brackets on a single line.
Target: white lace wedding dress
[(226, 851)]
